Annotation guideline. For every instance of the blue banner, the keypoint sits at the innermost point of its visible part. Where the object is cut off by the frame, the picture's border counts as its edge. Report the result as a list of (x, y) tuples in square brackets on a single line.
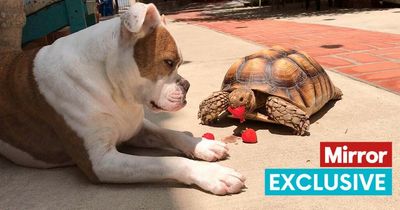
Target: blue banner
[(328, 181)]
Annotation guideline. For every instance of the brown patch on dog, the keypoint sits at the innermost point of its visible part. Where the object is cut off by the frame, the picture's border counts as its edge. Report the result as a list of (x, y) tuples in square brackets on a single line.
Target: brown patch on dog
[(153, 51), (29, 123)]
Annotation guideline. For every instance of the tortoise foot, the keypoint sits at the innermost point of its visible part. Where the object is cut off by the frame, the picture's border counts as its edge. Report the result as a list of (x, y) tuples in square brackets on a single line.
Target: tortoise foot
[(337, 95), (211, 107), (288, 114)]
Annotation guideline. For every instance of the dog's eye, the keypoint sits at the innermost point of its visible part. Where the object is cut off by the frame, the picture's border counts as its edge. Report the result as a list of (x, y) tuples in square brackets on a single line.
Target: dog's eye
[(169, 62)]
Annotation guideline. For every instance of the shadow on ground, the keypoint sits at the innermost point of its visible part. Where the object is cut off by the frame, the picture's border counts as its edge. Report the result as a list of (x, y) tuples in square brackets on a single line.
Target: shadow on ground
[(227, 11), (68, 187), (271, 127)]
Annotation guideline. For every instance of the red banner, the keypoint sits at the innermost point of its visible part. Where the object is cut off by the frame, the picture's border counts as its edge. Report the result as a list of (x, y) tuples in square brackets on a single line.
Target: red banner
[(355, 154)]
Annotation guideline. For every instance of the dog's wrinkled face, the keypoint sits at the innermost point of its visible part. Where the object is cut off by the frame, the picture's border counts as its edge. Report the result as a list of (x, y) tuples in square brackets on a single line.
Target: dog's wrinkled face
[(158, 59)]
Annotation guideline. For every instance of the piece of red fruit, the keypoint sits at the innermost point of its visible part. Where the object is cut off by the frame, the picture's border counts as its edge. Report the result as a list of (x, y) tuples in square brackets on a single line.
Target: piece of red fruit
[(238, 112), (249, 136), (208, 136)]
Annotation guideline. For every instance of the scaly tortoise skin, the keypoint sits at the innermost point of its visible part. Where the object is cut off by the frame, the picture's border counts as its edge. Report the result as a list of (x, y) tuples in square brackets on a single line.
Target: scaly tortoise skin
[(275, 85)]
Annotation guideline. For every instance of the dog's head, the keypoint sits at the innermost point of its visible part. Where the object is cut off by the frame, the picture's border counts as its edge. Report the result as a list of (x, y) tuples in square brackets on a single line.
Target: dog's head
[(156, 56)]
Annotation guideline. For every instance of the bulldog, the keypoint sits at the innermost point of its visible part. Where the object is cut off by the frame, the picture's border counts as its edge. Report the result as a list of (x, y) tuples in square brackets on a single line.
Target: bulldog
[(73, 102)]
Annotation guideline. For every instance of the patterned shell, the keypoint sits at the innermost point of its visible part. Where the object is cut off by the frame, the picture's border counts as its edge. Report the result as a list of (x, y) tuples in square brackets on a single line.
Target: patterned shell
[(285, 73)]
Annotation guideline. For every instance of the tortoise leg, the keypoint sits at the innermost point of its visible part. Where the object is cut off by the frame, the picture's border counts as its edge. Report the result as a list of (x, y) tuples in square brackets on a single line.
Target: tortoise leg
[(211, 107), (287, 114), (337, 95)]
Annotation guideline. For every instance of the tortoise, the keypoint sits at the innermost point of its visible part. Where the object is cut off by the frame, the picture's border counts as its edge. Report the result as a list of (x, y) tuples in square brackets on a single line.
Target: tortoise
[(276, 85)]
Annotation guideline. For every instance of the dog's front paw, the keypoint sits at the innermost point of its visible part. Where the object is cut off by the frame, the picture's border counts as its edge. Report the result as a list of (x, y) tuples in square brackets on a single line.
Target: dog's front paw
[(217, 179), (210, 150)]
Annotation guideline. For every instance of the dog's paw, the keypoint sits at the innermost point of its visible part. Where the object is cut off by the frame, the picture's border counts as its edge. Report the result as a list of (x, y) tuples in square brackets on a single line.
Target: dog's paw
[(217, 179), (210, 150)]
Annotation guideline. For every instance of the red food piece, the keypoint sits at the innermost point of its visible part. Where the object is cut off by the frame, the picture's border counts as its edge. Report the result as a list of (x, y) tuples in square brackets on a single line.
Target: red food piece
[(209, 136), (249, 136), (238, 112)]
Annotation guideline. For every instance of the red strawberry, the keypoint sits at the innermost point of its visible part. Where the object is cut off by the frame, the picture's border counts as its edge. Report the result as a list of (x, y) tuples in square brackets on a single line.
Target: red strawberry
[(238, 112), (209, 136), (249, 136)]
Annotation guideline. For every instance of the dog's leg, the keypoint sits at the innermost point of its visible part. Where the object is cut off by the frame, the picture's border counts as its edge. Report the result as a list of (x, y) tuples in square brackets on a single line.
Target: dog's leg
[(111, 166), (152, 135)]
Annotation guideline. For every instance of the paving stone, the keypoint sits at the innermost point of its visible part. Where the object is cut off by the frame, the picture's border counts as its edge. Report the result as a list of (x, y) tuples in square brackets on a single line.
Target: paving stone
[(391, 84), (381, 75), (332, 61), (394, 55), (373, 67), (362, 57)]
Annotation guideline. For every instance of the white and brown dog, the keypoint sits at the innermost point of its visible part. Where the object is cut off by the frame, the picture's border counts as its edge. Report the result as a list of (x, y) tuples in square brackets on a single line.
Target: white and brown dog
[(74, 101)]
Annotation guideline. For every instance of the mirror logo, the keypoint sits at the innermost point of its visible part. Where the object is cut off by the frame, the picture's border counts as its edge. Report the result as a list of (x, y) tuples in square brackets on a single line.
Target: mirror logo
[(371, 175)]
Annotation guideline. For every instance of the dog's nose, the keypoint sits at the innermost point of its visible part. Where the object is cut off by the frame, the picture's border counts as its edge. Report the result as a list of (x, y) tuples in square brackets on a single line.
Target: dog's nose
[(185, 84)]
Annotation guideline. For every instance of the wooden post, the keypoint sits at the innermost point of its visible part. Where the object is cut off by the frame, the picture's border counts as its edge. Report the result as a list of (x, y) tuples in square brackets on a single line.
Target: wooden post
[(12, 20)]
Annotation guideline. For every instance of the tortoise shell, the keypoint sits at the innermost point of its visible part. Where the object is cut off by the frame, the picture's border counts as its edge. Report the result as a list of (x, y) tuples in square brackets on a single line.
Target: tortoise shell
[(285, 73)]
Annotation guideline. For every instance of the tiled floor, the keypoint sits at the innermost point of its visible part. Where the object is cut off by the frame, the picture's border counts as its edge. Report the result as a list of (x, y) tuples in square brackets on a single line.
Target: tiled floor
[(370, 56)]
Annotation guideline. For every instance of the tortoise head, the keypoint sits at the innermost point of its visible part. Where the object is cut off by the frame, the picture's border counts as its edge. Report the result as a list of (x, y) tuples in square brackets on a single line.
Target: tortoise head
[(243, 96)]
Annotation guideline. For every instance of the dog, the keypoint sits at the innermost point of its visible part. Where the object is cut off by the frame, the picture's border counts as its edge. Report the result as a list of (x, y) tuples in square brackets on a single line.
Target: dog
[(73, 102)]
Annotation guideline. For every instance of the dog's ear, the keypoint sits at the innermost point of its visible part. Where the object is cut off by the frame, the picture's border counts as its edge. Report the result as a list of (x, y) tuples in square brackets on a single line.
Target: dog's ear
[(141, 18)]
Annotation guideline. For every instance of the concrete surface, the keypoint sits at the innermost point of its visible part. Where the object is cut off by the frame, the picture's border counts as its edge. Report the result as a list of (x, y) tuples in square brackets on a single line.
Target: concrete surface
[(385, 20), (366, 113)]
